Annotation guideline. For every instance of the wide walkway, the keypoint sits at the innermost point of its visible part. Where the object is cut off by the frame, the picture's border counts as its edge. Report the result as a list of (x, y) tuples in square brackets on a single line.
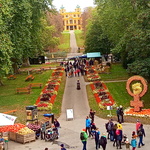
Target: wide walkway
[(70, 129)]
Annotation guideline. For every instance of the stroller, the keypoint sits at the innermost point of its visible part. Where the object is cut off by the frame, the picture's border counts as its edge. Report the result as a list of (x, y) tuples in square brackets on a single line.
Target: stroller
[(51, 134)]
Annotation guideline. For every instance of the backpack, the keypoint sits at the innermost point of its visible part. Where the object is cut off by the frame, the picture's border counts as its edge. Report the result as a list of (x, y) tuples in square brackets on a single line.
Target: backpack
[(109, 126), (102, 141), (82, 136), (140, 132)]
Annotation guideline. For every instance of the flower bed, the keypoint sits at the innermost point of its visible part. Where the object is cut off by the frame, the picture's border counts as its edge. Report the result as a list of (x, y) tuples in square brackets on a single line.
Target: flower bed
[(100, 91), (142, 113), (48, 95)]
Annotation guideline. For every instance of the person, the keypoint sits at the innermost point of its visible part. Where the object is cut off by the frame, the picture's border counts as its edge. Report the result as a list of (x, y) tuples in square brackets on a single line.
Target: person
[(78, 85), (93, 128), (138, 124), (62, 147), (97, 135), (84, 139), (127, 143), (118, 114), (88, 125), (1, 142), (114, 134), (133, 142), (141, 133), (121, 113), (103, 141), (91, 115), (56, 125), (43, 129), (119, 135), (109, 128)]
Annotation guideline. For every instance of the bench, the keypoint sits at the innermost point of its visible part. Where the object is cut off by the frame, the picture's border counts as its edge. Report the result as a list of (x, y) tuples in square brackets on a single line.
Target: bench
[(10, 112), (11, 77), (29, 78), (35, 85), (23, 90)]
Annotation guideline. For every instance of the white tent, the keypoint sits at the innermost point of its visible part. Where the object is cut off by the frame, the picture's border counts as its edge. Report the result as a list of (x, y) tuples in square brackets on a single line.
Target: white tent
[(6, 119)]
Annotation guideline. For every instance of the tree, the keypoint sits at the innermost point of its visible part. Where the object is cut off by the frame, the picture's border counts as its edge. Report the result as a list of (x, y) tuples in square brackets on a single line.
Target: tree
[(55, 19), (47, 37), (5, 41), (96, 40), (86, 15)]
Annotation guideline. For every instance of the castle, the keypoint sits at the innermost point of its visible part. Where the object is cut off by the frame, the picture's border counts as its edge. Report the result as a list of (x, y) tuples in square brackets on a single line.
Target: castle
[(71, 20)]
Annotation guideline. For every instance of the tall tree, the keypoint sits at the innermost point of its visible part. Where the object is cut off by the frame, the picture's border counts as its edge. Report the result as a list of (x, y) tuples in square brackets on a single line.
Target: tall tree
[(96, 40), (5, 41)]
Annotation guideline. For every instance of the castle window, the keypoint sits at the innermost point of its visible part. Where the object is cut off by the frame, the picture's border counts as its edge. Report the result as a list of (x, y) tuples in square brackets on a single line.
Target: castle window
[(78, 21), (74, 15)]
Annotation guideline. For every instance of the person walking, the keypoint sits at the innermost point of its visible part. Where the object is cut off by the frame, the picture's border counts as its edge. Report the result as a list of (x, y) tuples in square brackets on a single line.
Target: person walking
[(119, 135), (62, 147), (97, 136), (91, 115), (138, 124), (84, 137), (103, 141), (57, 125), (88, 125), (114, 134), (109, 128), (141, 133), (43, 129), (133, 142)]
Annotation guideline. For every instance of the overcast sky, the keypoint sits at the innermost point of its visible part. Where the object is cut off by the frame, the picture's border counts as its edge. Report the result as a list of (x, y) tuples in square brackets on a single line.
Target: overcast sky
[(70, 5)]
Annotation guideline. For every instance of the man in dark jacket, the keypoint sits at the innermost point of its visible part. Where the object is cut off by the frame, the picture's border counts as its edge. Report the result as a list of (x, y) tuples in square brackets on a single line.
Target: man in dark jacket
[(97, 134)]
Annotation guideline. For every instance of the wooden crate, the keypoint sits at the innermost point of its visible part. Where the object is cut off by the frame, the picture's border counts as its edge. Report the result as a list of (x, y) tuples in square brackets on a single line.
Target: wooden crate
[(25, 138), (12, 136)]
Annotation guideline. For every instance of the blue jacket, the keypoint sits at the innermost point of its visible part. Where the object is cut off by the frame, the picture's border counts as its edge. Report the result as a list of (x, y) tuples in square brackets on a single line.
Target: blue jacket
[(88, 123), (133, 142)]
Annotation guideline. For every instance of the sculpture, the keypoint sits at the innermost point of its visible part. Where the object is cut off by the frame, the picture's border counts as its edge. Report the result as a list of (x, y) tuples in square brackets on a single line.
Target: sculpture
[(139, 89)]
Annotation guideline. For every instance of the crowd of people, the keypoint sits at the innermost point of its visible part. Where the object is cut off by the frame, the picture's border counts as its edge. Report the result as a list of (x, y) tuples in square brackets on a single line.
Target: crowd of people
[(76, 67), (114, 133)]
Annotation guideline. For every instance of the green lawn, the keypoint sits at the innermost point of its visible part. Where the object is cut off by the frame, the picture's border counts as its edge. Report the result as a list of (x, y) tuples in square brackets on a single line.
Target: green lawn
[(119, 93), (116, 73), (10, 100), (79, 38), (64, 42)]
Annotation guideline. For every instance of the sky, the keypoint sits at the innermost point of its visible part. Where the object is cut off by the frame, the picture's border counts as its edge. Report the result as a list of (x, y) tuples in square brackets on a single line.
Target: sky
[(70, 5)]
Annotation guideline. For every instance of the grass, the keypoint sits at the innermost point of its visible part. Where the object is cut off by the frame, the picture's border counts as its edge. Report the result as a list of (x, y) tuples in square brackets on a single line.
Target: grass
[(10, 100), (117, 73), (79, 38), (65, 42), (119, 93)]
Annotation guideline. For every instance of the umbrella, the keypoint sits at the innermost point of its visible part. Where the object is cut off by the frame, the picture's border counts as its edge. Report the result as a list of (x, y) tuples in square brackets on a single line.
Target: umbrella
[(6, 119)]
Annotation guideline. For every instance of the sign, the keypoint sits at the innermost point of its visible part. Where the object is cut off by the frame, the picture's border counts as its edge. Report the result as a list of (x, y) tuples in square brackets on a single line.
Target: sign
[(69, 113), (7, 119), (109, 107)]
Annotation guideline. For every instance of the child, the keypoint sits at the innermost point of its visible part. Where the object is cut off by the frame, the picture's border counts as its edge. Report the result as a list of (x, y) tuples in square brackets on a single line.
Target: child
[(133, 142)]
